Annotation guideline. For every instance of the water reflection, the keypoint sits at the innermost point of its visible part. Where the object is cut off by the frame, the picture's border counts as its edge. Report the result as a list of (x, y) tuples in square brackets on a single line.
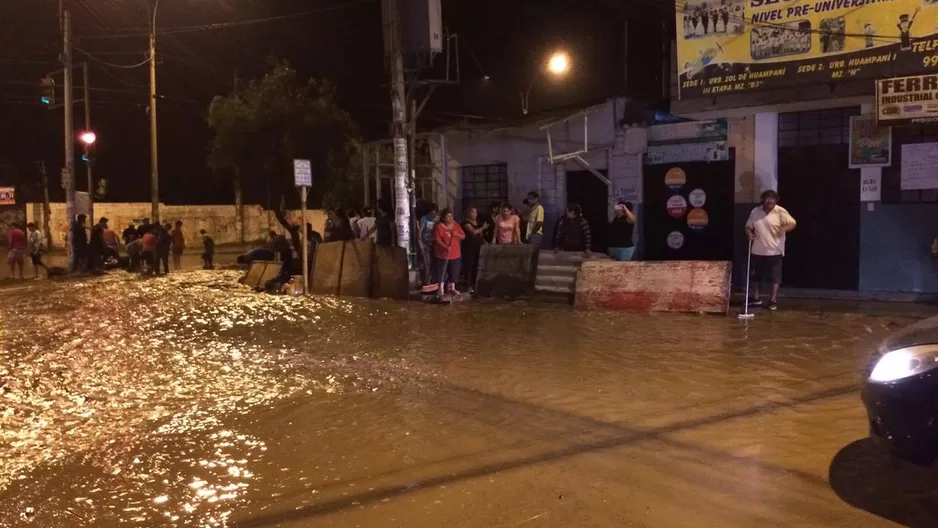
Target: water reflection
[(190, 401)]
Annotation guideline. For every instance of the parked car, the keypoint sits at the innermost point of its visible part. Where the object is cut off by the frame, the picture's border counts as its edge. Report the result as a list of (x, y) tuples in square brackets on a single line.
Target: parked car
[(901, 393)]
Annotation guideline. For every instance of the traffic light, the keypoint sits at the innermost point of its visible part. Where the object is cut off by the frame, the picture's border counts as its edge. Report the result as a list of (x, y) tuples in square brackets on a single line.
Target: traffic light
[(47, 84)]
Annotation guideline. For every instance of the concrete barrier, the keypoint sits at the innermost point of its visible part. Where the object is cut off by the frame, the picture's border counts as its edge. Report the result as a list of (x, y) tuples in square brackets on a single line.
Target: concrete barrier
[(676, 286), (389, 273), (507, 271), (359, 268), (255, 273)]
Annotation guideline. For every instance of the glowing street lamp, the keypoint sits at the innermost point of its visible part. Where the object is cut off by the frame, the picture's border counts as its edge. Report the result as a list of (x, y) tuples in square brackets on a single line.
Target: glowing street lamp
[(558, 65), (88, 138)]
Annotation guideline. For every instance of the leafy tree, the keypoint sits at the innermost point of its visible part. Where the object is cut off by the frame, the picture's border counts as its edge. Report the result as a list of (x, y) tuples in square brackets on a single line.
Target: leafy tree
[(261, 128)]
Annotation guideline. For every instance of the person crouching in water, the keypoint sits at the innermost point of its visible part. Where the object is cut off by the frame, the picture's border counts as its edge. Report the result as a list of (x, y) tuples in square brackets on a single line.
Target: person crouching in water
[(447, 237), (208, 251), (148, 249)]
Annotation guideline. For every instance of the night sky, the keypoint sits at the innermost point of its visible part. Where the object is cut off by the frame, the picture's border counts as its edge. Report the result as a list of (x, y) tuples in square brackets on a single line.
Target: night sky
[(503, 39)]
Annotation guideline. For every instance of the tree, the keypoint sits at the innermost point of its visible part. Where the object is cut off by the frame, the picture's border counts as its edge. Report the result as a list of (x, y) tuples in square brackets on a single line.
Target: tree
[(261, 128)]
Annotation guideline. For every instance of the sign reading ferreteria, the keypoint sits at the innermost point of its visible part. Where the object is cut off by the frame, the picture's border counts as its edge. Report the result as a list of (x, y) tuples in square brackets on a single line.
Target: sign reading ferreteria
[(740, 46), (907, 100)]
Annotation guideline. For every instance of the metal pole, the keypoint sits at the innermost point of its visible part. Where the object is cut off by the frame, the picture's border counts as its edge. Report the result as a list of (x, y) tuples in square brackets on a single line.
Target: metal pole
[(154, 152), (68, 173), (365, 175), (46, 210), (305, 241), (84, 67), (399, 114)]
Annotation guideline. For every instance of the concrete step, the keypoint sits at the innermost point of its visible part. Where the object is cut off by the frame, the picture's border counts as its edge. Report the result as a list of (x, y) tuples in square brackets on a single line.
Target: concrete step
[(555, 288), (566, 258), (562, 270), (551, 281)]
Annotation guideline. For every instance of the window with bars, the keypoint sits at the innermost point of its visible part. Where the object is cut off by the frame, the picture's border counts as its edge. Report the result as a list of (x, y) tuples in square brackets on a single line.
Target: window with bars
[(891, 186), (482, 184), (816, 127)]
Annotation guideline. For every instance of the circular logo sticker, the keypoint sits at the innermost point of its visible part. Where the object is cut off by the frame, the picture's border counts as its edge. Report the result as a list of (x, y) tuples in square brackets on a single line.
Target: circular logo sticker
[(677, 206), (675, 240), (697, 198), (675, 178), (697, 219)]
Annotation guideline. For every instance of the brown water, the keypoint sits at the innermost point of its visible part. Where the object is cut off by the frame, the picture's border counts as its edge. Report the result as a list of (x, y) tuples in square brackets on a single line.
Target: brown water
[(190, 401)]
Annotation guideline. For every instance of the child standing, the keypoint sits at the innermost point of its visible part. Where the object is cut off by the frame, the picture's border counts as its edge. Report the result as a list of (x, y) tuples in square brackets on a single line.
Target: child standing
[(208, 255)]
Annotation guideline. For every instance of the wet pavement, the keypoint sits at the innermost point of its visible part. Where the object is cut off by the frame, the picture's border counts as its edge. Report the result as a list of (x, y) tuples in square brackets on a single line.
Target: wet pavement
[(189, 401)]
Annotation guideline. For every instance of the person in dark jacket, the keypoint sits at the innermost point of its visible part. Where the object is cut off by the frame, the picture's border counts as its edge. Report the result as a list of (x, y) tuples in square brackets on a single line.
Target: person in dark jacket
[(572, 232), (621, 228), (164, 244), (284, 250), (80, 245), (208, 255), (384, 226), (130, 234), (96, 246)]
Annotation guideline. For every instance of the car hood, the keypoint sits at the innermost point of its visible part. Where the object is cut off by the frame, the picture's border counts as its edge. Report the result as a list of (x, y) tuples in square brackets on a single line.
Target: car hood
[(921, 333)]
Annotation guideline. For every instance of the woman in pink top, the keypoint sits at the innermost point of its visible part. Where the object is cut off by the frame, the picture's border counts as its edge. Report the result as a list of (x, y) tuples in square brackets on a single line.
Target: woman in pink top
[(507, 227)]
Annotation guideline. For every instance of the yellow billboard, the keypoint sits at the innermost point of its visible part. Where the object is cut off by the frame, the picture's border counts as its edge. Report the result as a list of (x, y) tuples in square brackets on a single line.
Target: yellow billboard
[(737, 46)]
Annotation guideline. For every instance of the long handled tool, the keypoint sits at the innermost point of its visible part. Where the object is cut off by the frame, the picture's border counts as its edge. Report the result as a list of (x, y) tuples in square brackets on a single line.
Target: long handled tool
[(746, 316)]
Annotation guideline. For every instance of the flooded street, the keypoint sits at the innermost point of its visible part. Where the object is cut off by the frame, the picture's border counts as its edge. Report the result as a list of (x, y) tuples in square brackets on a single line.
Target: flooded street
[(191, 401)]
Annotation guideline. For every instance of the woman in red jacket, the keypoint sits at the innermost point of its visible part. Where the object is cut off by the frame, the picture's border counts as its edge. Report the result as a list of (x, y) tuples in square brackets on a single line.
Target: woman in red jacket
[(447, 237)]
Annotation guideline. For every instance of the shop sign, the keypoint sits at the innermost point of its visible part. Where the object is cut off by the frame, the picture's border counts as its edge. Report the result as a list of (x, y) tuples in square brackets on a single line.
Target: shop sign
[(742, 46), (675, 178), (908, 100), (697, 198), (870, 144), (697, 219), (675, 240), (7, 196), (677, 206)]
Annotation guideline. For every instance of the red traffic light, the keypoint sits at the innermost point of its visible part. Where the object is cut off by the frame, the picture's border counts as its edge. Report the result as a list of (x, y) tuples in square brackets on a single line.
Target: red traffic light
[(88, 138)]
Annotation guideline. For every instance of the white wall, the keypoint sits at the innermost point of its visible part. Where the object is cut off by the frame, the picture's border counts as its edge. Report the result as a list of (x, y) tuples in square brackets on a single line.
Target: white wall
[(525, 152)]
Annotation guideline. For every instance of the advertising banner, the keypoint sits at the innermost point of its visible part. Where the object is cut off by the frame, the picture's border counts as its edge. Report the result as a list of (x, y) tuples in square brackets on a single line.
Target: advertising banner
[(686, 142), (907, 100), (739, 46), (870, 144), (7, 196)]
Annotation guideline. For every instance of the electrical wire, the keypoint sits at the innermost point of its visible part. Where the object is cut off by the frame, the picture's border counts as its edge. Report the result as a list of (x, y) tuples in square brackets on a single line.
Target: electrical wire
[(112, 65), (138, 32)]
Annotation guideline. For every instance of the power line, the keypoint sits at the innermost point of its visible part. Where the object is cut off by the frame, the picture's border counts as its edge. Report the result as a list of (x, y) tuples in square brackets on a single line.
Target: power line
[(112, 65), (142, 32)]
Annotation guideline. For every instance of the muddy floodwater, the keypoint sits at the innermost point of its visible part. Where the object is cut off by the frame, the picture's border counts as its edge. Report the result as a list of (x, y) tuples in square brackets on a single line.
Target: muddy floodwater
[(190, 401)]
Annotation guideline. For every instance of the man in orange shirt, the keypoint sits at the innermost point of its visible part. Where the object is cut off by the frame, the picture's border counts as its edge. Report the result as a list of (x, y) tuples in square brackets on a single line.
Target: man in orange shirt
[(148, 254)]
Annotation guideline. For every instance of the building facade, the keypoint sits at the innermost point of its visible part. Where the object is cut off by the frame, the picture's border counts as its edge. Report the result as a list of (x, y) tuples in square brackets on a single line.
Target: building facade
[(790, 102)]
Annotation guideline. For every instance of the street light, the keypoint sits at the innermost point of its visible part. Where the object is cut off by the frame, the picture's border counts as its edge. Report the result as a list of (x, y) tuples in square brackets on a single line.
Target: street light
[(558, 64), (88, 138)]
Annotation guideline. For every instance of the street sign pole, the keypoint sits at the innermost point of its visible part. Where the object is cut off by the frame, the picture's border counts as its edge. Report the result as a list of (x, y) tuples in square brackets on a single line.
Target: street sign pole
[(303, 177), (305, 242)]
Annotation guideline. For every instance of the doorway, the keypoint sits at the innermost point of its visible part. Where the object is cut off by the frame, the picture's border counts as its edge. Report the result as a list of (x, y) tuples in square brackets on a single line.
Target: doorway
[(592, 194), (688, 210), (822, 193)]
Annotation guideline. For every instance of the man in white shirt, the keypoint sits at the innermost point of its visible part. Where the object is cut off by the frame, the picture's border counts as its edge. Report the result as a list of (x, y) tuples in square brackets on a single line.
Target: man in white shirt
[(535, 231), (766, 229)]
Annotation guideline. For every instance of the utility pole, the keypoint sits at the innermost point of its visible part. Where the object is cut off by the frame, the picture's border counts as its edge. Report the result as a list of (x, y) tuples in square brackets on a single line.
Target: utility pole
[(46, 210), (88, 156), (239, 197), (154, 153), (68, 173), (399, 115)]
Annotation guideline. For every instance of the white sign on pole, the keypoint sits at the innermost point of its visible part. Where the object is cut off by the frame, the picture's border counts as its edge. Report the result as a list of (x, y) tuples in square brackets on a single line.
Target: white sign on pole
[(302, 173)]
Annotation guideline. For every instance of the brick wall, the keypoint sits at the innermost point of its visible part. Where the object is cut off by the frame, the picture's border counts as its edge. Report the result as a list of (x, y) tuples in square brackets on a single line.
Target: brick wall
[(220, 221)]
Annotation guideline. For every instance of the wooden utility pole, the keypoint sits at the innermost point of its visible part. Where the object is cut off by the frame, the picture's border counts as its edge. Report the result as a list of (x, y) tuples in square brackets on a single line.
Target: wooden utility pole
[(88, 155), (46, 210), (399, 115), (68, 172)]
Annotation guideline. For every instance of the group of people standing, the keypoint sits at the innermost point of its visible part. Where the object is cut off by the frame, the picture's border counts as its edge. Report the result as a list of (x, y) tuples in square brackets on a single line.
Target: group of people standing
[(22, 243), (449, 251)]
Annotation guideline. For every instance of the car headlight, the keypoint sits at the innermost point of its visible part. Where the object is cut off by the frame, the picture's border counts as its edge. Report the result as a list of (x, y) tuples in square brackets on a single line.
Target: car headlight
[(905, 362)]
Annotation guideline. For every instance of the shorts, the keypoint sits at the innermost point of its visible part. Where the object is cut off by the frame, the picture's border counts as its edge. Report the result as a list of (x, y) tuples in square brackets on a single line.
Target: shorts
[(37, 259), (622, 254), (15, 257), (535, 239), (767, 268)]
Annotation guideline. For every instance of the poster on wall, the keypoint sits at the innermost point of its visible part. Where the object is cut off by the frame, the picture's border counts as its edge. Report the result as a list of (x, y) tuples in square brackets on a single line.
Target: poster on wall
[(871, 186), (7, 196), (909, 100), (743, 46), (870, 144), (918, 170)]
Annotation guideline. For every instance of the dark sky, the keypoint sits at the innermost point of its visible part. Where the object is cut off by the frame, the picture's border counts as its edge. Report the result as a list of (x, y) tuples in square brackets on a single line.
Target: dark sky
[(504, 39)]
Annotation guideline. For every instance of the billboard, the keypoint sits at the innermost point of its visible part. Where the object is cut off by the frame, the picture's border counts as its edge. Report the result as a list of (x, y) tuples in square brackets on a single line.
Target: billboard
[(907, 100), (7, 196), (740, 46), (870, 144)]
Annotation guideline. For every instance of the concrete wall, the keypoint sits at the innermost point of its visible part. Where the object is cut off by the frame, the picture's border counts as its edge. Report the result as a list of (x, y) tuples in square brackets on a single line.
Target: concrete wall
[(220, 221), (525, 152)]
